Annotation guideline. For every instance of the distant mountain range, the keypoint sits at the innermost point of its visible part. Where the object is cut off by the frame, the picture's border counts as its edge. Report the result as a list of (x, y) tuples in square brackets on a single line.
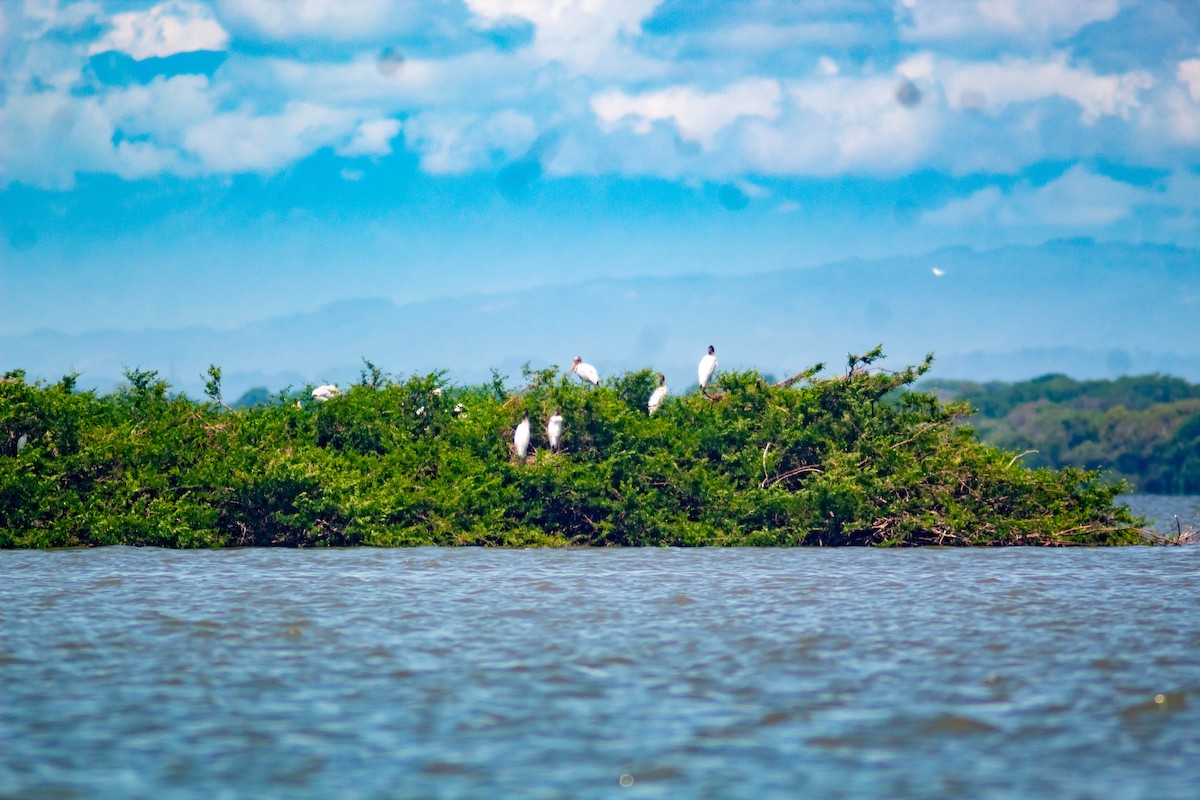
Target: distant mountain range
[(1086, 309)]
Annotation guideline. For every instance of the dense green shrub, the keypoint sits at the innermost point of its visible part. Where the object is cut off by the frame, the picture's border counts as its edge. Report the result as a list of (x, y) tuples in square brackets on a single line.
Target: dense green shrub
[(850, 460)]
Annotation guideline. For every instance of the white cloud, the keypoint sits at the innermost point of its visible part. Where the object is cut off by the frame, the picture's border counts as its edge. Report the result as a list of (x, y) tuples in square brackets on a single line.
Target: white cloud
[(49, 15), (373, 138), (323, 19), (47, 138), (451, 143), (1013, 20), (242, 141), (1078, 198), (588, 36), (838, 124), (175, 26), (1188, 73), (698, 116), (992, 85), (1180, 115)]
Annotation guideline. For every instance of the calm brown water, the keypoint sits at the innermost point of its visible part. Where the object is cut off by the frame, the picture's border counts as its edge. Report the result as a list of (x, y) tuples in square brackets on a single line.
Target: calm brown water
[(1019, 673)]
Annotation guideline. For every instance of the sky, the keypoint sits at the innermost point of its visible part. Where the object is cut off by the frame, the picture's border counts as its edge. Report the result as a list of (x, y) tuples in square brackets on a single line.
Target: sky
[(213, 163)]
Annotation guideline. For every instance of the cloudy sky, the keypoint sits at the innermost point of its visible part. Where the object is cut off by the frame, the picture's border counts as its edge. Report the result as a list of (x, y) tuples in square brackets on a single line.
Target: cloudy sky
[(219, 161)]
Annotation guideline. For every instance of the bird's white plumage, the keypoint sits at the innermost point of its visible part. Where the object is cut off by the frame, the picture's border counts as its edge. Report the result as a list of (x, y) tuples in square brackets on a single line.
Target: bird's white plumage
[(658, 395), (585, 371), (554, 431), (521, 437), (938, 272), (326, 391), (708, 365)]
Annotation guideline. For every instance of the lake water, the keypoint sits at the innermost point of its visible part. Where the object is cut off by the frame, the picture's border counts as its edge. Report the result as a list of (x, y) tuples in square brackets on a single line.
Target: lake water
[(358, 673)]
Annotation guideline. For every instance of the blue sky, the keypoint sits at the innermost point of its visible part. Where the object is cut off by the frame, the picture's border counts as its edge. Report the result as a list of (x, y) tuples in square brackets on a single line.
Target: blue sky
[(212, 163)]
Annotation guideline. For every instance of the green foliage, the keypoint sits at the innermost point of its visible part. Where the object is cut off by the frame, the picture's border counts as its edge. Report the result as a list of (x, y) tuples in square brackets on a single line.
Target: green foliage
[(1143, 430), (853, 460)]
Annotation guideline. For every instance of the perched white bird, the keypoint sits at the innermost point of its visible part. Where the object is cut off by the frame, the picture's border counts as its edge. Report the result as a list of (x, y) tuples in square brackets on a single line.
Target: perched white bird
[(708, 365), (521, 437), (659, 394), (460, 410), (326, 391), (554, 431), (585, 371)]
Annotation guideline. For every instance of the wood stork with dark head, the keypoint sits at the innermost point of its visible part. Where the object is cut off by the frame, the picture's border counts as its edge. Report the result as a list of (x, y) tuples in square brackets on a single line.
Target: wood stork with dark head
[(521, 436), (554, 431), (585, 371), (708, 365), (658, 395)]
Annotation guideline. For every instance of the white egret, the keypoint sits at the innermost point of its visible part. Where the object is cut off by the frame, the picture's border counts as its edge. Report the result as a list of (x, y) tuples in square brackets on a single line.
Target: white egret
[(554, 431), (658, 395), (708, 365), (521, 437), (326, 391), (585, 371)]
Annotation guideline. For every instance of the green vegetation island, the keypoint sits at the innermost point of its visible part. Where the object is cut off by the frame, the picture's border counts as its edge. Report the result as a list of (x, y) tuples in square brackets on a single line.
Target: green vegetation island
[(861, 458)]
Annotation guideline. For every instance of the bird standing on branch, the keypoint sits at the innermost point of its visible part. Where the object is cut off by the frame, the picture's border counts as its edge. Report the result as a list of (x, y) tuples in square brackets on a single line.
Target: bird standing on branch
[(658, 395), (521, 436), (554, 431), (585, 371), (708, 366)]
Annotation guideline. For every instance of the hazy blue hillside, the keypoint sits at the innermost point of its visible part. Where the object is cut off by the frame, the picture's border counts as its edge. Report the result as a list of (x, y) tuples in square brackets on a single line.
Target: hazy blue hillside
[(1077, 307)]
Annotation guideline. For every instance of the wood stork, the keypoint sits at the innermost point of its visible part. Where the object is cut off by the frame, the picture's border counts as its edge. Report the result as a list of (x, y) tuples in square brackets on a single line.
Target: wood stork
[(658, 395), (521, 436), (554, 431), (585, 371), (326, 391), (708, 365)]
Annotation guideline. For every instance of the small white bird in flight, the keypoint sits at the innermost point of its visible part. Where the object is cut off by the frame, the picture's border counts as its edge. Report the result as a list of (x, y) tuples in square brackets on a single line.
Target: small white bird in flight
[(585, 371), (554, 431), (938, 272), (326, 391), (708, 365), (658, 395), (521, 436)]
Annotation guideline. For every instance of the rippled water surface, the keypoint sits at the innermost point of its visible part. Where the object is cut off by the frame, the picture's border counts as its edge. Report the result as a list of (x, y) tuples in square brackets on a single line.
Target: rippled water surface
[(1017, 673)]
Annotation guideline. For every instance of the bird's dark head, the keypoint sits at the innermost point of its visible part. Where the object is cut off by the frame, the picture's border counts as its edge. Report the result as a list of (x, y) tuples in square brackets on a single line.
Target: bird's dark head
[(711, 350)]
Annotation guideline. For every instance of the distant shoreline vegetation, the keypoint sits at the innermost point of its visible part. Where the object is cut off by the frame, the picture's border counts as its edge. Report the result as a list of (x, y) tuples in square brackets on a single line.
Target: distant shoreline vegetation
[(859, 459), (1143, 430)]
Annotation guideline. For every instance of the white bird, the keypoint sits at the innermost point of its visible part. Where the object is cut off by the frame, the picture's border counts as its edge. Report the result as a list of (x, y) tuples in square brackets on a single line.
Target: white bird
[(554, 430), (708, 365), (326, 391), (938, 272), (585, 371), (521, 437), (658, 395)]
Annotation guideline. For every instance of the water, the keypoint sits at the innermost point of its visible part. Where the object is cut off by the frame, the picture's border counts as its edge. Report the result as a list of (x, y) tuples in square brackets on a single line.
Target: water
[(1161, 510), (1016, 673)]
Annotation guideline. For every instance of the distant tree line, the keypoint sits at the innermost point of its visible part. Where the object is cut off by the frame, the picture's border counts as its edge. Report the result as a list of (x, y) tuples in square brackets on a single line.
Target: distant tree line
[(1143, 430), (848, 460)]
